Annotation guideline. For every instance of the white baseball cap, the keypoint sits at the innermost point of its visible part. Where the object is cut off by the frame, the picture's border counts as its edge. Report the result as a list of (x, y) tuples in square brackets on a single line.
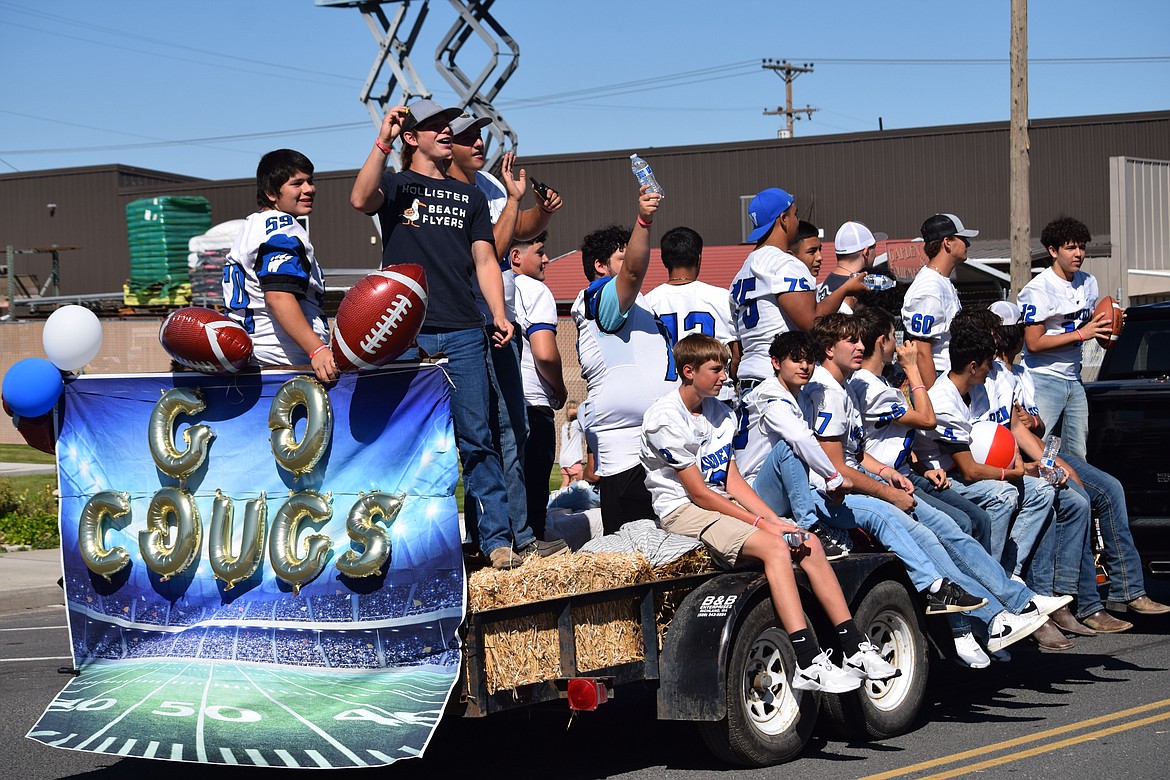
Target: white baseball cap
[(853, 237)]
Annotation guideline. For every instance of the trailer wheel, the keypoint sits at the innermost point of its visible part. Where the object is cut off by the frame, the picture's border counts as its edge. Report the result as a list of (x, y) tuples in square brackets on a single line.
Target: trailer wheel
[(883, 709), (768, 721)]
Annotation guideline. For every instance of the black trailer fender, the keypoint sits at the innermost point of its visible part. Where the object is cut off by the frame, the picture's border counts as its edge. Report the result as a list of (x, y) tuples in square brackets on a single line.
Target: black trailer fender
[(693, 669)]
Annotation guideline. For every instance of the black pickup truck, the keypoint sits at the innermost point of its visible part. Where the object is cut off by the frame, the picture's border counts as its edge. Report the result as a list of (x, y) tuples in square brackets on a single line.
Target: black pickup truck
[(1129, 426)]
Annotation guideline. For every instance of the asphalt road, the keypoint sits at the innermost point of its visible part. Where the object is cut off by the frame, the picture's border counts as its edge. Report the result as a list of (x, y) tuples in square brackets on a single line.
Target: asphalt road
[(1101, 710)]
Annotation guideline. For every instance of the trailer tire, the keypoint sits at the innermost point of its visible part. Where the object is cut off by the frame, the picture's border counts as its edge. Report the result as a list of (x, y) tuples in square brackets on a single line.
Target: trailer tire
[(879, 710), (768, 721)]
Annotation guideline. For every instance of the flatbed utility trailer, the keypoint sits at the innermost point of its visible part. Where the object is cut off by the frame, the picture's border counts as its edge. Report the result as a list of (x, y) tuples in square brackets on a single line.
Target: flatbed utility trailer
[(725, 662)]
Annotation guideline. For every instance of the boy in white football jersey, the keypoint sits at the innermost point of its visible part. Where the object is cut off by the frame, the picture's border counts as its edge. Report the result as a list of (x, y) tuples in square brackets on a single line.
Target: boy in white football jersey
[(960, 400), (686, 305), (625, 361), (698, 492), (540, 370), (1010, 384), (1057, 307), (774, 291), (272, 284), (931, 302), (831, 409)]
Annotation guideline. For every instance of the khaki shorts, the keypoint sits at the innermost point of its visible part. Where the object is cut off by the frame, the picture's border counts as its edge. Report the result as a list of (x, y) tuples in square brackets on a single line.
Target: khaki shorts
[(723, 535)]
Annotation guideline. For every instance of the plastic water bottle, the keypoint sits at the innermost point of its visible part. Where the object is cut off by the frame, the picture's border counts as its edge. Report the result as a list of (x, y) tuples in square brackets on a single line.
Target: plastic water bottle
[(645, 176), (1048, 468), (878, 282)]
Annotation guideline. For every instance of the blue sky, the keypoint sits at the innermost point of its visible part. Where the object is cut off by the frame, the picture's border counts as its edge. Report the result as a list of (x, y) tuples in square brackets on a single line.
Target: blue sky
[(204, 88)]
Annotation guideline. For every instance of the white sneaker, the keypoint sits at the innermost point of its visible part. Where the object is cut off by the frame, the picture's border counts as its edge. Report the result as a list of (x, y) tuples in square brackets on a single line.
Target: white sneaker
[(868, 664), (970, 653), (822, 675), (1007, 628), (1049, 604)]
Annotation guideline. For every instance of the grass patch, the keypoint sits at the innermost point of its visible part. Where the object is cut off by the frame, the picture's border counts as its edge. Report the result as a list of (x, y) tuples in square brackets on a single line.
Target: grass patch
[(22, 453), (28, 511)]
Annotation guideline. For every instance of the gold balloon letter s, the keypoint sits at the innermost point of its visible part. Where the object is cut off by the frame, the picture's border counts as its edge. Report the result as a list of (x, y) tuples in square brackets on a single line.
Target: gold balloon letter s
[(362, 529)]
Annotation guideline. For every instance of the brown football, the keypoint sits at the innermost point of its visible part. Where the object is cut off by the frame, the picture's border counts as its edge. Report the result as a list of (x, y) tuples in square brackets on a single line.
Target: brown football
[(205, 340), (1108, 305), (379, 317)]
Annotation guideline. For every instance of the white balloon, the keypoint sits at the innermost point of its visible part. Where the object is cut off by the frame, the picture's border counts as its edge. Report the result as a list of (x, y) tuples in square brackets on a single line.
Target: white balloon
[(72, 337)]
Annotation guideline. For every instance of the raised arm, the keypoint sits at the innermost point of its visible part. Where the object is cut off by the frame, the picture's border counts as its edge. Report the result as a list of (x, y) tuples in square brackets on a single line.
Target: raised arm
[(535, 220), (637, 258), (367, 196)]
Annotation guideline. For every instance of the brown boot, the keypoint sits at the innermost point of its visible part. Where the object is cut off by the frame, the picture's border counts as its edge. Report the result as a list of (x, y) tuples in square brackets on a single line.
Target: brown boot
[(1104, 623), (1143, 605), (1064, 620), (1048, 636), (504, 558)]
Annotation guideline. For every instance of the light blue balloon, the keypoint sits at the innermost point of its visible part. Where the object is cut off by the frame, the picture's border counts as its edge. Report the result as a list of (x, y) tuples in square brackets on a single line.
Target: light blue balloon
[(32, 386)]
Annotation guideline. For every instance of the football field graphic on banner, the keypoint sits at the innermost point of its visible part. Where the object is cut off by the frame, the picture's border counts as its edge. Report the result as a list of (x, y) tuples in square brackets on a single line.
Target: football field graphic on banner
[(232, 601)]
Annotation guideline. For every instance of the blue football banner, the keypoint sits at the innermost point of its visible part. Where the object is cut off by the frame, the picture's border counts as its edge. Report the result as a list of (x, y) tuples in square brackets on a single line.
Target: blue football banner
[(258, 570)]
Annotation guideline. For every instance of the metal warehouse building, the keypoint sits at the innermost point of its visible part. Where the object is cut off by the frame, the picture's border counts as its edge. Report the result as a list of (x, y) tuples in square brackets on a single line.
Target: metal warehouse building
[(890, 180)]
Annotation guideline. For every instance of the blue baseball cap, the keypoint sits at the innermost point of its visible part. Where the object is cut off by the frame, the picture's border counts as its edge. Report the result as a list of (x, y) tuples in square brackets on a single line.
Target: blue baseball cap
[(765, 209)]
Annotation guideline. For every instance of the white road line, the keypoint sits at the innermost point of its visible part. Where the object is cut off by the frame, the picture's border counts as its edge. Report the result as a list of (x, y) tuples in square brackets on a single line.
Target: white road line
[(38, 658), (125, 749), (151, 749), (35, 628), (412, 751), (176, 751), (256, 756), (228, 756), (319, 759), (105, 743), (378, 754), (319, 731), (286, 757)]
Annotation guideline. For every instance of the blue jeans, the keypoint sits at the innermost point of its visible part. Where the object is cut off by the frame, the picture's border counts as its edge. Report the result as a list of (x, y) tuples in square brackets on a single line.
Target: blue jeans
[(1107, 499), (921, 551), (1001, 500), (483, 477), (782, 482), (510, 433), (971, 517), (1064, 409), (1057, 562)]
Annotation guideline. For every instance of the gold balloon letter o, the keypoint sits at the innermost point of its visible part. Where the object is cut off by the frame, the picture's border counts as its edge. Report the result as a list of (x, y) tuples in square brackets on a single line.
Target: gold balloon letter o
[(162, 556), (361, 528), (294, 570), (176, 401), (98, 559), (231, 569), (300, 457)]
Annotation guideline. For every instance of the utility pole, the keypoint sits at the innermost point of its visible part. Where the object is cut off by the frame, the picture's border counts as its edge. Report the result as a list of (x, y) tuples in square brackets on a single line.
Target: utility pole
[(788, 72), (1020, 198)]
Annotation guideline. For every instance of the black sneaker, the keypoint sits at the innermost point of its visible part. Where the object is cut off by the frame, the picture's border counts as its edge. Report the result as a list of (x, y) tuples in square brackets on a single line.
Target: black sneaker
[(834, 542), (543, 549), (951, 598)]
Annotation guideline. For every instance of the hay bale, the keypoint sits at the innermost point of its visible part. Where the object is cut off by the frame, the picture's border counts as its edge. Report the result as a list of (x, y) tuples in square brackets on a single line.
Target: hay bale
[(522, 651), (560, 575)]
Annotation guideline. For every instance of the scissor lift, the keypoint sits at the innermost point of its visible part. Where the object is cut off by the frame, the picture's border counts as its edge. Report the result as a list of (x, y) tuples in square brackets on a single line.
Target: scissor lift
[(396, 36)]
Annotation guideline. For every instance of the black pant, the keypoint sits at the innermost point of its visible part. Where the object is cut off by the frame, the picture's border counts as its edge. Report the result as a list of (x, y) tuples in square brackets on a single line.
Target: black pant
[(624, 498), (539, 453)]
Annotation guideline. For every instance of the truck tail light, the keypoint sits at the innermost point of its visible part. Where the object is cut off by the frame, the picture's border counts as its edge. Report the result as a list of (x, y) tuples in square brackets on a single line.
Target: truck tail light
[(586, 693)]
